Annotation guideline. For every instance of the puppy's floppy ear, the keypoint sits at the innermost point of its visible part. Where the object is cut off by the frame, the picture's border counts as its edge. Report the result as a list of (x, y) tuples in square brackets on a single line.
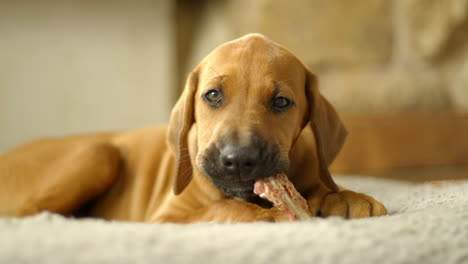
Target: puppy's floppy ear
[(182, 119), (329, 131)]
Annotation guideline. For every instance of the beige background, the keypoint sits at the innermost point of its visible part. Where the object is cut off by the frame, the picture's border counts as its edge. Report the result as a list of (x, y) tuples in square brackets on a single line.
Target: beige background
[(74, 66), (77, 66)]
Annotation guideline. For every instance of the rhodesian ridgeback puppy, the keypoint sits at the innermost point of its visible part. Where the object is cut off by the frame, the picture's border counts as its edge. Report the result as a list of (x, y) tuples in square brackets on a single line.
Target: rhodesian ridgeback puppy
[(249, 110)]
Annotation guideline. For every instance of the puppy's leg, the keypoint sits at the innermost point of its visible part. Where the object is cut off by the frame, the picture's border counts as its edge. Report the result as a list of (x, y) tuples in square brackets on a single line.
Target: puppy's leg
[(225, 210), (55, 178), (343, 203)]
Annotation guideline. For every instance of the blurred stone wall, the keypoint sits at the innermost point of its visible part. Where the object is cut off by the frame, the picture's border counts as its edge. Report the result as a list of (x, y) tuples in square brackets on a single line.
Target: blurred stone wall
[(370, 55)]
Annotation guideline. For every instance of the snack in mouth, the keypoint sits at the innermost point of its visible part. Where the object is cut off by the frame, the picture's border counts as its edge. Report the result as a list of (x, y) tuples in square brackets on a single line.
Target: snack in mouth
[(284, 196)]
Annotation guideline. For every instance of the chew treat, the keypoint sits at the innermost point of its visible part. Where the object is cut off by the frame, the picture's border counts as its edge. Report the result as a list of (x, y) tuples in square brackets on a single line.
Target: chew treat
[(281, 192)]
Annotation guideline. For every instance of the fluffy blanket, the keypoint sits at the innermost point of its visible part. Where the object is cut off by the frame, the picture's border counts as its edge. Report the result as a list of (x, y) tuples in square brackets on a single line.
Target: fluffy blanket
[(428, 223)]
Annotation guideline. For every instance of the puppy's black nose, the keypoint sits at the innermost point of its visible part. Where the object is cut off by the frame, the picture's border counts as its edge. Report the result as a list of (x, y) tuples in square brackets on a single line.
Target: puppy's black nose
[(239, 160)]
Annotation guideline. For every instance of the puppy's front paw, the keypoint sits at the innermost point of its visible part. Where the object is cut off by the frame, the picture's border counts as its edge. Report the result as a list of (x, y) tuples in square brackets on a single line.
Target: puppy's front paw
[(350, 204)]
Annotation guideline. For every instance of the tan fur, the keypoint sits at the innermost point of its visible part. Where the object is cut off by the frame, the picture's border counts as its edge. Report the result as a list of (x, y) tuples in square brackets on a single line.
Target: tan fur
[(139, 176)]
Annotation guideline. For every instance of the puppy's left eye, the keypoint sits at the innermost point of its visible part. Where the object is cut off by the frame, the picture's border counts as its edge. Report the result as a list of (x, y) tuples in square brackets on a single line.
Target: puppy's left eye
[(281, 104)]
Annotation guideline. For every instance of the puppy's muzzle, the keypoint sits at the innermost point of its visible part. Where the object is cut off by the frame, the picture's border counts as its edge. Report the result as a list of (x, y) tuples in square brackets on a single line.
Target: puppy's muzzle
[(234, 167)]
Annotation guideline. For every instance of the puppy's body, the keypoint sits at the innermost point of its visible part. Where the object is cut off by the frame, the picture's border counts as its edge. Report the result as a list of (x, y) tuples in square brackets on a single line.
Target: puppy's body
[(249, 110)]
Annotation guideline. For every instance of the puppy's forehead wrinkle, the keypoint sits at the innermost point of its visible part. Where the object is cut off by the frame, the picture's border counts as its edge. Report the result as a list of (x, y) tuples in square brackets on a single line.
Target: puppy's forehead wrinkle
[(218, 77), (282, 84)]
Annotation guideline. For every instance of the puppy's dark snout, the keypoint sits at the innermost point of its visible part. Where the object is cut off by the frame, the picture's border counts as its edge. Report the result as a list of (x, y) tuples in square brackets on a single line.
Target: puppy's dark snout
[(234, 166), (239, 160)]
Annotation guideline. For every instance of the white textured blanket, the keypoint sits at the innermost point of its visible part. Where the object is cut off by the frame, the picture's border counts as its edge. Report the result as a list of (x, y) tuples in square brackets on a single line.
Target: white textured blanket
[(428, 224)]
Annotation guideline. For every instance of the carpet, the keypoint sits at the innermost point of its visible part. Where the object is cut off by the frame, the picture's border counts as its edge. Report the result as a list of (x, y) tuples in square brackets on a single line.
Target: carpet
[(428, 223)]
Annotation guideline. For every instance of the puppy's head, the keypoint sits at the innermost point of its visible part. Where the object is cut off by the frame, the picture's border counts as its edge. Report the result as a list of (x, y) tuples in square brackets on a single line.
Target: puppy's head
[(242, 110)]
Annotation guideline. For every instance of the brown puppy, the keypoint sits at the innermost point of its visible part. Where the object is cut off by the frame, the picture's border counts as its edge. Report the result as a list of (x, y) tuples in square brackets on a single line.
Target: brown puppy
[(249, 110)]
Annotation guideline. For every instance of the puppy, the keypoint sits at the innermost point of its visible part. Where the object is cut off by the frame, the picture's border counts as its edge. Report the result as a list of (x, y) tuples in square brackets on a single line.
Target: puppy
[(249, 110)]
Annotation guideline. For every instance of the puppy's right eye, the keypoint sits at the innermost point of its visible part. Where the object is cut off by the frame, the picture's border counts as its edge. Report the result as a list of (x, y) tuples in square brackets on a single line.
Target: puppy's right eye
[(214, 97)]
